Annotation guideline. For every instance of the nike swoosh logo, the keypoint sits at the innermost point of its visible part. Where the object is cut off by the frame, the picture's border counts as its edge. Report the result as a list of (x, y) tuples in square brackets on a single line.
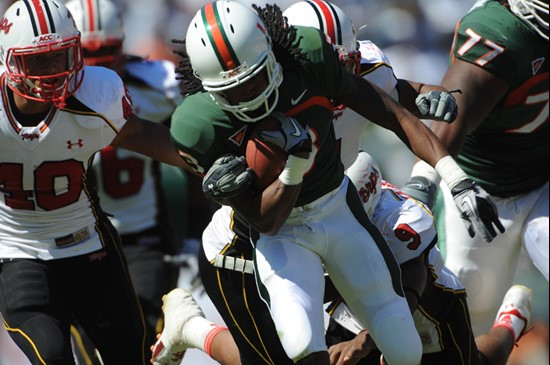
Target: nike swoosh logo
[(297, 100), (297, 132), (417, 186), (468, 202)]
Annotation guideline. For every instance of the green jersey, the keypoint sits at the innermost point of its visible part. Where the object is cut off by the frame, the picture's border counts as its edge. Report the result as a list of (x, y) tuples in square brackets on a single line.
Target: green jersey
[(202, 132), (508, 153)]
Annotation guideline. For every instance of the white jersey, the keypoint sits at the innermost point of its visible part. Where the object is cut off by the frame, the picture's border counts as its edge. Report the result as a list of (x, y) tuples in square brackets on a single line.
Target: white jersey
[(405, 224), (348, 125), (47, 210), (128, 182)]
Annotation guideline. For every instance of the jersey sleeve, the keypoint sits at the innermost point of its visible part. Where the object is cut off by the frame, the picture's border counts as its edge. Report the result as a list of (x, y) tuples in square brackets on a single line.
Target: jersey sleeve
[(406, 226), (104, 94), (324, 68), (376, 68), (193, 131), (484, 38)]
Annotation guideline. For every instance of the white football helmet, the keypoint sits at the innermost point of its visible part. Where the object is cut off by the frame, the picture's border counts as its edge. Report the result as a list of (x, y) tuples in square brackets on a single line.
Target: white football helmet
[(534, 12), (102, 31), (227, 44), (333, 22), (35, 28), (365, 175)]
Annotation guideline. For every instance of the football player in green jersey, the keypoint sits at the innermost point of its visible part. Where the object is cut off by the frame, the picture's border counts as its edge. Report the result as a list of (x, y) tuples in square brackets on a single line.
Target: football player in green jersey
[(310, 218), (499, 59)]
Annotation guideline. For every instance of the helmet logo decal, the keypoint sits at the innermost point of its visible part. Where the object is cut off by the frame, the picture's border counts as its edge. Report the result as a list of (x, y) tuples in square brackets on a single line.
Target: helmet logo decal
[(5, 25), (327, 17), (218, 38)]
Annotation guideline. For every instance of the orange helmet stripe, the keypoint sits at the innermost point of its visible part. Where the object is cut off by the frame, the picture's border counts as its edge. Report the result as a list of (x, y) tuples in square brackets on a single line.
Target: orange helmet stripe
[(225, 53)]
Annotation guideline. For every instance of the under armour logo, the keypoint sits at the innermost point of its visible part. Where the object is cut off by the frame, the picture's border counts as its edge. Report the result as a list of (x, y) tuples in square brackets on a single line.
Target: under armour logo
[(78, 143)]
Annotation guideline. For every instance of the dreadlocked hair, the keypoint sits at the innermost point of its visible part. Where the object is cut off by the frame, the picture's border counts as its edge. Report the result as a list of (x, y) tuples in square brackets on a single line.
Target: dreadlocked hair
[(190, 84), (283, 36)]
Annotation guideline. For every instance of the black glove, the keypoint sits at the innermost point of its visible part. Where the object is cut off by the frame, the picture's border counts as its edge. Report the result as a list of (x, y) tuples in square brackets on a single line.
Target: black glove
[(291, 137), (227, 178), (477, 210), (421, 189)]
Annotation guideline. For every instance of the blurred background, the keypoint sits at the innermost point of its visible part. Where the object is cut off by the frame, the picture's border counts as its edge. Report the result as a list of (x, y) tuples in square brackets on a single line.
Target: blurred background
[(416, 36)]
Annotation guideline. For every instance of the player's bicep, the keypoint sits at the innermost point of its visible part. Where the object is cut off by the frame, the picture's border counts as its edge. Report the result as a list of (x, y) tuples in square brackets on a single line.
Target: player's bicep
[(481, 92), (128, 136)]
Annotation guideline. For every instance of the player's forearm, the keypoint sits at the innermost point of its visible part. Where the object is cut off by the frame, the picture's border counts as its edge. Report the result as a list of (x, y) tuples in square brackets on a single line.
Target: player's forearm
[(267, 211), (150, 139)]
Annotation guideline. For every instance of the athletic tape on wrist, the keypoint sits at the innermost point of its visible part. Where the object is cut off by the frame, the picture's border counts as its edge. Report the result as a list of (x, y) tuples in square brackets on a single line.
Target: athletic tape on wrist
[(450, 172), (421, 168), (210, 337), (293, 173)]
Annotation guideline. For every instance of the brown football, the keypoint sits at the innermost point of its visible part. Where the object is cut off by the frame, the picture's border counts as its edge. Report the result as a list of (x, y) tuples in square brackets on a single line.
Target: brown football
[(266, 159)]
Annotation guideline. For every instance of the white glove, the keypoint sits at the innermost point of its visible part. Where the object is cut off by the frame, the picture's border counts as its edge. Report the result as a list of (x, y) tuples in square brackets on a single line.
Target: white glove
[(477, 210), (438, 105), (292, 137)]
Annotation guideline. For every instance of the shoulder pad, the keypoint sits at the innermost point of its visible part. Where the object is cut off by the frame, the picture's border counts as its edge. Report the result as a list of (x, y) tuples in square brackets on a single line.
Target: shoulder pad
[(370, 53), (103, 92)]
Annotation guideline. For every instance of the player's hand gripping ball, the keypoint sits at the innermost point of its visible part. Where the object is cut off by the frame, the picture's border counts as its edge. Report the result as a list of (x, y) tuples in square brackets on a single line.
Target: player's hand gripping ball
[(265, 158)]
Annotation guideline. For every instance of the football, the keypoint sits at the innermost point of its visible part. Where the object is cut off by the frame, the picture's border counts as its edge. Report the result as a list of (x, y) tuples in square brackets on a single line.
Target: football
[(265, 158)]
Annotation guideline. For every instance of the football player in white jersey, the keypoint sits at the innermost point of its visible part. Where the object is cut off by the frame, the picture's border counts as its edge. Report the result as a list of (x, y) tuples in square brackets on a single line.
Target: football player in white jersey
[(435, 295), (60, 257), (129, 184)]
